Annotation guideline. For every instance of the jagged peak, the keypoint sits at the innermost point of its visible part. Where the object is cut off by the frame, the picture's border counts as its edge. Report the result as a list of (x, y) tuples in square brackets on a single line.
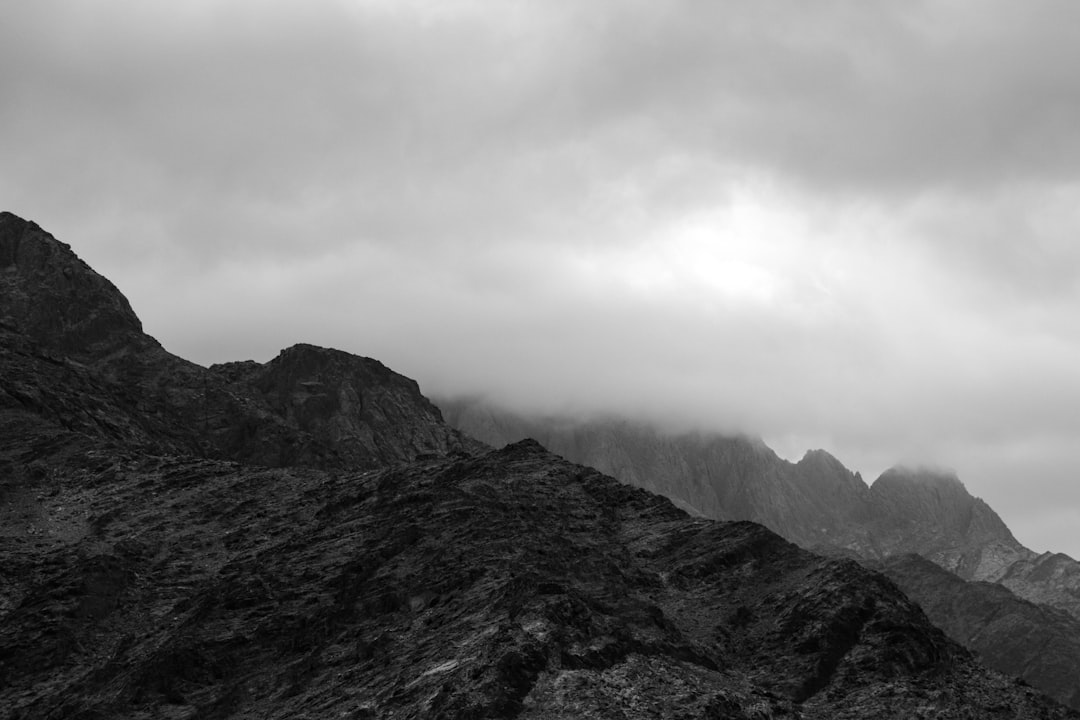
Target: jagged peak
[(925, 492), (820, 457), (937, 497), (10, 217), (16, 237), (52, 296), (817, 467)]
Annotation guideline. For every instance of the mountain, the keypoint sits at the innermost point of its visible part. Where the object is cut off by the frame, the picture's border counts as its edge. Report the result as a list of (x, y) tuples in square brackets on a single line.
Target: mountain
[(316, 406), (821, 505), (932, 514), (308, 538), (308, 406)]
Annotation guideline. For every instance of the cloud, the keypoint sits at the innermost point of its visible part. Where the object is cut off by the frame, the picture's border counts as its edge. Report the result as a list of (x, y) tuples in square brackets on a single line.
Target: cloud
[(395, 123), (849, 225)]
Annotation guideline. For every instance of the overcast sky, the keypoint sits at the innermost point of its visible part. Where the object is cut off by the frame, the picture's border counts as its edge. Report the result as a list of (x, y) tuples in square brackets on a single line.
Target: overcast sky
[(850, 225)]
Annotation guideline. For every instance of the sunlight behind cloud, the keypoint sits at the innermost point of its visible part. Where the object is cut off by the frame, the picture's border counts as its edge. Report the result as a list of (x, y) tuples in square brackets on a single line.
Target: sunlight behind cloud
[(755, 251)]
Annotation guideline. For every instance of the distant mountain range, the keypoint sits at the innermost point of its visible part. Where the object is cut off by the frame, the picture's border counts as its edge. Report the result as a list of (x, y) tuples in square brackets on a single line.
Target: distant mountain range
[(822, 506), (307, 537)]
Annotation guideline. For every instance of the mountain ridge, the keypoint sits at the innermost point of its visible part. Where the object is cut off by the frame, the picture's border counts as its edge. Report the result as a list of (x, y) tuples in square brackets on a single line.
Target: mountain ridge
[(815, 501)]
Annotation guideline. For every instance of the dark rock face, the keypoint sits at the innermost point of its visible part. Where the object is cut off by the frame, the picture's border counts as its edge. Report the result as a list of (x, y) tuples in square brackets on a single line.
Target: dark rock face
[(54, 298), (342, 410), (307, 538)]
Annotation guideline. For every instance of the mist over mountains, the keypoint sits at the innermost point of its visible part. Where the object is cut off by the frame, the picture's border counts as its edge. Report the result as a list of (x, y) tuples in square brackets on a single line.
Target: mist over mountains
[(309, 535), (816, 502), (820, 505)]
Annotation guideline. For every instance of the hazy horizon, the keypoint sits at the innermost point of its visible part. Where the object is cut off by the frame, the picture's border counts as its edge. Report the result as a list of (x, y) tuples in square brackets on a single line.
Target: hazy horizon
[(847, 225)]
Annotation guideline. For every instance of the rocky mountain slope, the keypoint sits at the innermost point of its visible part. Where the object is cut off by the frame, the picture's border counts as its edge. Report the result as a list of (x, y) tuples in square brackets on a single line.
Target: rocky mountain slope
[(821, 505), (307, 538)]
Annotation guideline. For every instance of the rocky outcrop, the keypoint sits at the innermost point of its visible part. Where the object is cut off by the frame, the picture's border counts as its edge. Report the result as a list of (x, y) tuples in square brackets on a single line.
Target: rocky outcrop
[(57, 300), (316, 406)]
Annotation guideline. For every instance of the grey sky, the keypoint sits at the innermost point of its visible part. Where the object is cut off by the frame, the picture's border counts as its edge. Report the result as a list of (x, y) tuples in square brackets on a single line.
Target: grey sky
[(850, 225)]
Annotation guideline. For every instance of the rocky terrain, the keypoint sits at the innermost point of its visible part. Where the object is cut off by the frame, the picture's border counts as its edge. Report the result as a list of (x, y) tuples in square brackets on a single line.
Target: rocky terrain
[(1017, 637), (821, 505), (307, 538)]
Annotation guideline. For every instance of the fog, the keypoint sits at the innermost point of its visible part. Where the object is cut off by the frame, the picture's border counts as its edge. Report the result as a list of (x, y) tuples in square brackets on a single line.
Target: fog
[(849, 225)]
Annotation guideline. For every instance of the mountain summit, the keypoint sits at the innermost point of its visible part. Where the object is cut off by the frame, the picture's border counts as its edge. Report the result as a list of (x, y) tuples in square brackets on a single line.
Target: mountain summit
[(53, 297), (932, 514)]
